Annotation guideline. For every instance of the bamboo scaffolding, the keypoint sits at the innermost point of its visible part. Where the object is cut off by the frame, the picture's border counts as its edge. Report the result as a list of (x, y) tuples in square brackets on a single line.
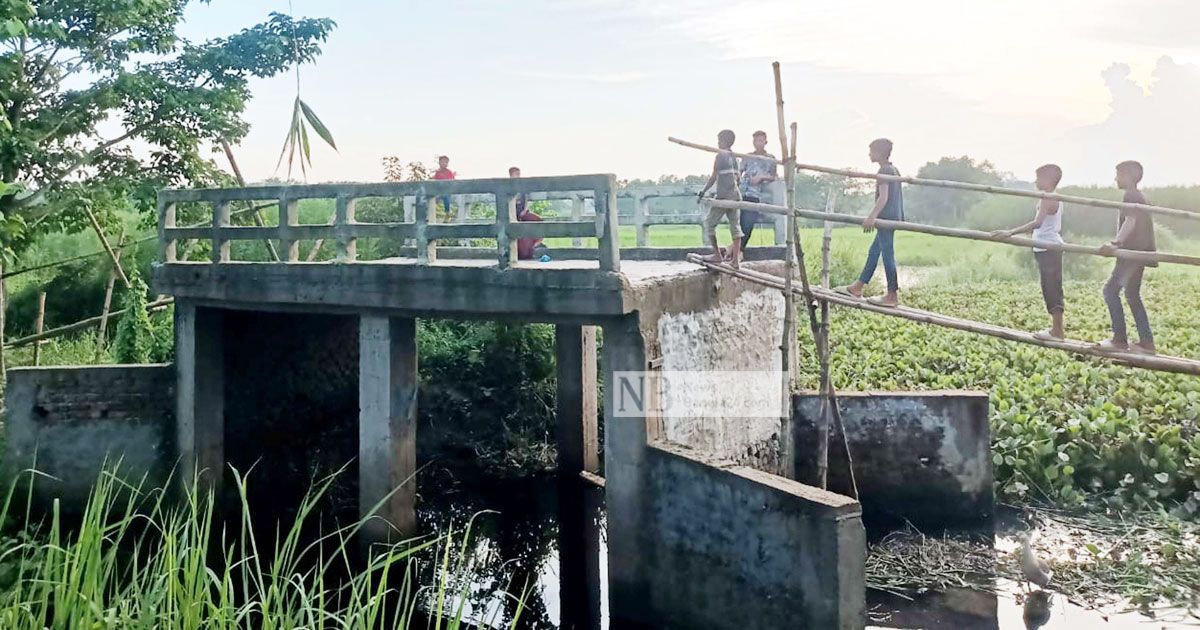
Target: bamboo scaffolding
[(154, 306), (116, 260), (1157, 363), (108, 293), (787, 428), (998, 190), (975, 235)]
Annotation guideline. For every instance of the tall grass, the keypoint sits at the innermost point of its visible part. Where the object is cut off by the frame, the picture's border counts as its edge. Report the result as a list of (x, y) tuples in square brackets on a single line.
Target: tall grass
[(137, 559)]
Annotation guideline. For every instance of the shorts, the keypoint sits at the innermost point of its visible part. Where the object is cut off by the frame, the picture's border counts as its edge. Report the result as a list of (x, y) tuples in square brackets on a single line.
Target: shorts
[(714, 217)]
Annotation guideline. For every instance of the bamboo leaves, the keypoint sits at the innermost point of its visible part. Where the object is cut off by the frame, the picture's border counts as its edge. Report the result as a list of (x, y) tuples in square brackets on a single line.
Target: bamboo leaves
[(297, 143)]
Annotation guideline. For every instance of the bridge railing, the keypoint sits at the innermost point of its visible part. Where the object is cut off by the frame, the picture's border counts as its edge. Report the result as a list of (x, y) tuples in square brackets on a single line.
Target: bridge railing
[(422, 226)]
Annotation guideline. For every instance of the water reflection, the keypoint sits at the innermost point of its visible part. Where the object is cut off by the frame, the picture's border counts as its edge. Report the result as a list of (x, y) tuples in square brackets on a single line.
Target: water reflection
[(546, 538)]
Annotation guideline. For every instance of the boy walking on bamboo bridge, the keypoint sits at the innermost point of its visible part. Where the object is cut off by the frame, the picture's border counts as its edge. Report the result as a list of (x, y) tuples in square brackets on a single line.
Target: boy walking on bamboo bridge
[(889, 205), (1046, 227), (1135, 231), (725, 176)]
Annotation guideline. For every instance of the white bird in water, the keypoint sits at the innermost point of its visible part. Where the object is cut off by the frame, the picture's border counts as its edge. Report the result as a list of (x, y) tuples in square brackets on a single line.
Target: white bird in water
[(1035, 569)]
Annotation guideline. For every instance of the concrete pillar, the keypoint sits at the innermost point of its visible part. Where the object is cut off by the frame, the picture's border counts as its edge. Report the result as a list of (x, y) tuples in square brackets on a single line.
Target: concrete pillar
[(624, 456), (578, 438), (200, 394), (641, 208), (387, 426)]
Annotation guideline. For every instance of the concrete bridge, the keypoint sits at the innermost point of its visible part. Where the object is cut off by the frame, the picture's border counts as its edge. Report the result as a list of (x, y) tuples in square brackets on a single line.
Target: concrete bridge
[(703, 518)]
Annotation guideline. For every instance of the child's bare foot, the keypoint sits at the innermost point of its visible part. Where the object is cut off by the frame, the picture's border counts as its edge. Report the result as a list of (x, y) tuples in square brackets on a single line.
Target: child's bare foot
[(1112, 345), (714, 258), (1049, 335), (1143, 348)]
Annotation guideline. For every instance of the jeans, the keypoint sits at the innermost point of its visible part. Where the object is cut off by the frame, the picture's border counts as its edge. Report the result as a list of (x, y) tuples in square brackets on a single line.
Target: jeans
[(883, 245), (749, 219), (1127, 275)]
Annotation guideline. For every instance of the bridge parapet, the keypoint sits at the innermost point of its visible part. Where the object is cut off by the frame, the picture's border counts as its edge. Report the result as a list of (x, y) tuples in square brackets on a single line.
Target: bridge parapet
[(423, 228)]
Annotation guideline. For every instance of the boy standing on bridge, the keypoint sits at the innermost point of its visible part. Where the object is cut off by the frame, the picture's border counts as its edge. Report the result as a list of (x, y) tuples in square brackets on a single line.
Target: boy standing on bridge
[(725, 176), (443, 172), (1135, 231), (1046, 227), (889, 205), (757, 172)]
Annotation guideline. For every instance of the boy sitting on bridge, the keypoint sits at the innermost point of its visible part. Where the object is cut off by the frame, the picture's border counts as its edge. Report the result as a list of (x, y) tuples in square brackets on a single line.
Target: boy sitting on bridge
[(725, 176), (1046, 227), (889, 205), (1135, 231)]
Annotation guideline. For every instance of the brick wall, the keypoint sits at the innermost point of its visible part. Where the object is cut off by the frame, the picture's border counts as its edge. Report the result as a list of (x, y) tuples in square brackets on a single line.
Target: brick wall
[(68, 422)]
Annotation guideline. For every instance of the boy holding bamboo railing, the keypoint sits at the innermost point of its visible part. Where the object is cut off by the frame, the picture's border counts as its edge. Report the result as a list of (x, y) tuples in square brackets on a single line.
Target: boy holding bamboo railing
[(1046, 227), (1135, 231), (725, 176)]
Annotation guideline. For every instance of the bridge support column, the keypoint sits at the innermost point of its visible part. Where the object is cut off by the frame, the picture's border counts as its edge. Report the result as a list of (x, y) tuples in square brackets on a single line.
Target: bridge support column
[(200, 395), (578, 438), (387, 426), (624, 457)]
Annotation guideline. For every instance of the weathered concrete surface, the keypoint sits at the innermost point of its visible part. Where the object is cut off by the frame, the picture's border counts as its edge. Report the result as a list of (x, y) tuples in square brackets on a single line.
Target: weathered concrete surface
[(739, 335), (200, 389), (733, 547), (69, 422), (922, 457), (387, 427), (577, 399)]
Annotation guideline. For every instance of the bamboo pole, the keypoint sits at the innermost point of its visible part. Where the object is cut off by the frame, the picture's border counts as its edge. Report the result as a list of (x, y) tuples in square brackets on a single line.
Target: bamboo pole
[(107, 248), (787, 428), (1158, 363), (255, 210), (826, 412), (41, 320), (108, 293), (974, 235), (154, 306), (998, 190)]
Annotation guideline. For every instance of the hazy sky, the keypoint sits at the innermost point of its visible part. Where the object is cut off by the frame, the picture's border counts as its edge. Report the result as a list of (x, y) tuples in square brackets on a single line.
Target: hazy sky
[(574, 86)]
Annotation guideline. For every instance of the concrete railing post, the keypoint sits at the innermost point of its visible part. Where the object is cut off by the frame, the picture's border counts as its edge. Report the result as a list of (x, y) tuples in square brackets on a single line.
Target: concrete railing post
[(506, 214), (640, 207), (200, 395), (221, 220), (426, 213), (166, 219), (410, 211), (609, 238), (387, 427), (347, 244), (576, 215), (289, 247)]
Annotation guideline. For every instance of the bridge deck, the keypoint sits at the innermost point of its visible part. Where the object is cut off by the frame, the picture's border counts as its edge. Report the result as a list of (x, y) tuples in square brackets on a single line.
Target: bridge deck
[(470, 288)]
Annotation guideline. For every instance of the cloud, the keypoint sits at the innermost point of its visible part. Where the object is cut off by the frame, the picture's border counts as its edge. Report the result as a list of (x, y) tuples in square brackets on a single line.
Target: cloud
[(1150, 124)]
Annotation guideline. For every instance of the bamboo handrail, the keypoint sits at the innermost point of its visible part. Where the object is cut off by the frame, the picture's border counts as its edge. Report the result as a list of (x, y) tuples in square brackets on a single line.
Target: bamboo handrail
[(1158, 363), (156, 305), (941, 183), (975, 235)]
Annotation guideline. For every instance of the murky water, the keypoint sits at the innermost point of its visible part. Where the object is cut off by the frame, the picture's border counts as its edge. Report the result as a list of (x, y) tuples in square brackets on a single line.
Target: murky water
[(548, 537)]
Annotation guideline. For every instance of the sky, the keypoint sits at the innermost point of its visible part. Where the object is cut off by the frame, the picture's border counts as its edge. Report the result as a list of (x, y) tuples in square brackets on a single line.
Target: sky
[(584, 86)]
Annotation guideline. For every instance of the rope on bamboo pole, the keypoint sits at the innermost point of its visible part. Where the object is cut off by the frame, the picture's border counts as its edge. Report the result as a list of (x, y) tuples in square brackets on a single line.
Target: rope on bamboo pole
[(1157, 363), (974, 235), (997, 190)]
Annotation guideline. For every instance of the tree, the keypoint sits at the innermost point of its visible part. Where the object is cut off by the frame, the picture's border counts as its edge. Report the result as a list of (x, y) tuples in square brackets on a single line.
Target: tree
[(943, 205), (82, 81)]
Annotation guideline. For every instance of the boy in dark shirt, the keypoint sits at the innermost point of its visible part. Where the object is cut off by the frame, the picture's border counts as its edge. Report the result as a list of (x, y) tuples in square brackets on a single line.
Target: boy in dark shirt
[(1135, 231), (725, 176), (889, 205)]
